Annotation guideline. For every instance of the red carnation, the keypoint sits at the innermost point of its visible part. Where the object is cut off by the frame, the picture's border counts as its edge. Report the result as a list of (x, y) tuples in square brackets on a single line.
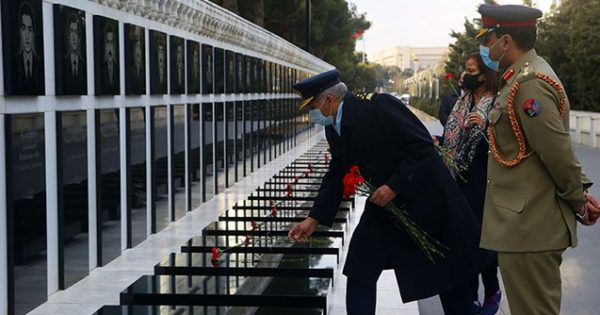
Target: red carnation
[(306, 174), (253, 225), (351, 181), (295, 179), (449, 76), (289, 189), (247, 240), (310, 168), (274, 211), (216, 254), (326, 158)]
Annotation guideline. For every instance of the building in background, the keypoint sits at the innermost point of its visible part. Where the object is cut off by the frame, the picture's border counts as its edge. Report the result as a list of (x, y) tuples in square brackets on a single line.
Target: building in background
[(415, 58)]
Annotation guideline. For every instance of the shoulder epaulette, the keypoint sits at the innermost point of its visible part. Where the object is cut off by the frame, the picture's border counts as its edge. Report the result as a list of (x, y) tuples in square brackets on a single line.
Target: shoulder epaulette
[(367, 96), (526, 73)]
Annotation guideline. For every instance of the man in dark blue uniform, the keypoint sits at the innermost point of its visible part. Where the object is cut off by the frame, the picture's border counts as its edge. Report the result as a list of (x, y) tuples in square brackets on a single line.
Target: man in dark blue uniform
[(394, 152)]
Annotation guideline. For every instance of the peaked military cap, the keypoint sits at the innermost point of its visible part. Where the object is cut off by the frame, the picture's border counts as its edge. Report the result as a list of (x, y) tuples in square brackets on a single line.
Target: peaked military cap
[(494, 17), (310, 88)]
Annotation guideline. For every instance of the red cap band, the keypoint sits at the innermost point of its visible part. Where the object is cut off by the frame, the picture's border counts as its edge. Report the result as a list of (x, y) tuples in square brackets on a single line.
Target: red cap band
[(490, 22)]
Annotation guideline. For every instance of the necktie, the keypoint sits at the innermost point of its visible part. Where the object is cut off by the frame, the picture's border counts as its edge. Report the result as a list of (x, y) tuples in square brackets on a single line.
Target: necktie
[(28, 69)]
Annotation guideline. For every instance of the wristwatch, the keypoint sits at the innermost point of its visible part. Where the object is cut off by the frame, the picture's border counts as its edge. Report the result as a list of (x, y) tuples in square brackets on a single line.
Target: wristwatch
[(581, 217)]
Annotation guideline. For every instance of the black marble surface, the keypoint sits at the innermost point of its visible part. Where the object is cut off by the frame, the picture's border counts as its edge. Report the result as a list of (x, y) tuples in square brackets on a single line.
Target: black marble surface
[(202, 310), (228, 291)]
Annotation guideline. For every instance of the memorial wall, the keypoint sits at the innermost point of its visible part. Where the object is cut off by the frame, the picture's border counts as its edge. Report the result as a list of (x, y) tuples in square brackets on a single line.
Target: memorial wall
[(119, 116)]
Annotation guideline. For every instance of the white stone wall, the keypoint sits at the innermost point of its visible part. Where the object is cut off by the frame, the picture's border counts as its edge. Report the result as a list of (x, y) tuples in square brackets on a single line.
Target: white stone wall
[(585, 128)]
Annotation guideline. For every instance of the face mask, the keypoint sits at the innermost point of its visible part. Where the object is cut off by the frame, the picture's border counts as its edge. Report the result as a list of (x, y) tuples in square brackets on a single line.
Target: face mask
[(485, 55), (317, 117), (471, 82)]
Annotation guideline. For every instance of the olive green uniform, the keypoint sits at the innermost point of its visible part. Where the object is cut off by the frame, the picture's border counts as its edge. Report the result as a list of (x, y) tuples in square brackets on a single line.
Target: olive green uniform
[(529, 216)]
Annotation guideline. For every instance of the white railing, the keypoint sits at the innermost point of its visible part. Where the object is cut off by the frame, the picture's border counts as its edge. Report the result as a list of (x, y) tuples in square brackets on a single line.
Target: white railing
[(585, 128)]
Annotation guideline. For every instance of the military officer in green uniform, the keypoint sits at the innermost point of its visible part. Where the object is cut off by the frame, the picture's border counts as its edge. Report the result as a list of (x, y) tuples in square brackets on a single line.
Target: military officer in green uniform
[(536, 191)]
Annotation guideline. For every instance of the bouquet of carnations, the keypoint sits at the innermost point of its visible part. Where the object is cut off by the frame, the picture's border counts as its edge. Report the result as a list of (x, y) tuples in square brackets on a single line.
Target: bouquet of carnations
[(354, 184)]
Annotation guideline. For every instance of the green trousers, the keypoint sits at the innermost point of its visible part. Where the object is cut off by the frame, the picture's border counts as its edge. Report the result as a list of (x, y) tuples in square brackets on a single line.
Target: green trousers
[(532, 282)]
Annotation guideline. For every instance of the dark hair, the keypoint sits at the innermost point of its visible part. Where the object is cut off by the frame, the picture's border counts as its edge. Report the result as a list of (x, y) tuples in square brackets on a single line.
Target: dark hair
[(25, 9), (524, 37), (492, 81), (72, 18)]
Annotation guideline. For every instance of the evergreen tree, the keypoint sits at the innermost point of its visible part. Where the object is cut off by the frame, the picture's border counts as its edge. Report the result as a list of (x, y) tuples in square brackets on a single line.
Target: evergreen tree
[(568, 40)]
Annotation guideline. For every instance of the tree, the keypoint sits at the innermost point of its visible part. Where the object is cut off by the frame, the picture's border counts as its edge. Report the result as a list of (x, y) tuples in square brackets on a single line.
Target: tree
[(464, 45), (334, 22), (567, 39)]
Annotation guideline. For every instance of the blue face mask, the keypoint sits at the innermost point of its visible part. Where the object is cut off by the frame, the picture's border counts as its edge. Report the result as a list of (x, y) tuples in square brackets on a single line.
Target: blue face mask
[(485, 56), (317, 117)]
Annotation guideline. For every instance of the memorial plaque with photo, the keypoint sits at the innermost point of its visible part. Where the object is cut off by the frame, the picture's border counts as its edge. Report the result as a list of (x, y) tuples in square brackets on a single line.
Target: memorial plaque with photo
[(108, 184), (274, 78), (267, 76), (207, 151), (285, 79), (239, 73), (136, 127), (239, 139), (23, 47), (263, 76), (207, 70), (230, 160), (73, 196), (219, 71), (135, 60), (248, 74), (219, 136), (26, 211), (70, 51), (255, 75), (288, 88), (229, 71), (160, 169), (158, 62), (193, 66), (106, 56), (278, 78), (178, 143), (194, 155), (177, 65)]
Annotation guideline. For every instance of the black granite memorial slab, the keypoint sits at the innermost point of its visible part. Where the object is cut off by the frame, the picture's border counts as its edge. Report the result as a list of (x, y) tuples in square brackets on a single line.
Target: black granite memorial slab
[(228, 291), (295, 208), (249, 264), (201, 310)]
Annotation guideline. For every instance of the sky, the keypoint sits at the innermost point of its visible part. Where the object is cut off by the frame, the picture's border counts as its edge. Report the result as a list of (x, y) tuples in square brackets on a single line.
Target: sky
[(422, 23)]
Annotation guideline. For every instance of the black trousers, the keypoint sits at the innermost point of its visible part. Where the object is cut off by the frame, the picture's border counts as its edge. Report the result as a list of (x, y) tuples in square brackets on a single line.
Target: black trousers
[(361, 299), (458, 301), (489, 277)]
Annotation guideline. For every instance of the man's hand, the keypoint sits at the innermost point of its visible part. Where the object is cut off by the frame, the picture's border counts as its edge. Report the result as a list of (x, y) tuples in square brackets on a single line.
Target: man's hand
[(382, 196), (302, 231), (593, 207), (587, 218)]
